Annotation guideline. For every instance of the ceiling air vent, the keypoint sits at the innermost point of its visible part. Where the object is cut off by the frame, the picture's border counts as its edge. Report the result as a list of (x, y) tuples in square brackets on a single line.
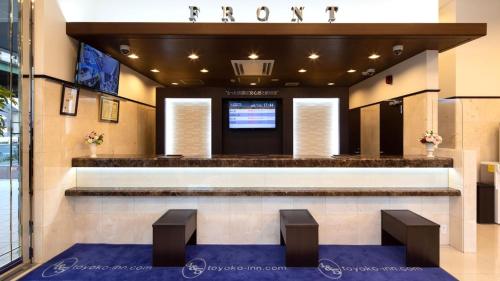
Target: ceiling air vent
[(291, 84), (252, 67)]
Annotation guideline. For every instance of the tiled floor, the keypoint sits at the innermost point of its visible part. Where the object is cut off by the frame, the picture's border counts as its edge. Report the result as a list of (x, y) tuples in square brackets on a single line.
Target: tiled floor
[(481, 266), (5, 213)]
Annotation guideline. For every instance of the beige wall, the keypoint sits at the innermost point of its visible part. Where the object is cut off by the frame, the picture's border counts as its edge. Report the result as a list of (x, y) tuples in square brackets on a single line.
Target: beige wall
[(57, 138), (481, 122), (476, 72), (412, 75), (467, 71), (60, 138), (420, 114), (370, 130)]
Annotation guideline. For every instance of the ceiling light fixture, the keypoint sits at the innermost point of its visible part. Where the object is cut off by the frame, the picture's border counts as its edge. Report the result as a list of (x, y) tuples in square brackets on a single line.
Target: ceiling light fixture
[(351, 70), (204, 70), (133, 56), (253, 56), (253, 84), (331, 84), (302, 70), (155, 70), (175, 83), (193, 56), (374, 56), (313, 56)]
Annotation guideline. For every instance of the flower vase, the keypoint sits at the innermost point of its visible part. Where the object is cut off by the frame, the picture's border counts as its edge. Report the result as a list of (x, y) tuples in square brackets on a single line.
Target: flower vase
[(430, 147), (93, 150)]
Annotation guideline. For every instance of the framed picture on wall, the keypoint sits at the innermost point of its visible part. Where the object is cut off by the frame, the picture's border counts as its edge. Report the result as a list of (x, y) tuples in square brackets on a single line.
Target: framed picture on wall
[(109, 110), (69, 100)]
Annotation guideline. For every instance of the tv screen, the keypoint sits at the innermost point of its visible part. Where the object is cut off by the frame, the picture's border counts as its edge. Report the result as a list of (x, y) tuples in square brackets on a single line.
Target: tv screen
[(97, 70), (252, 114)]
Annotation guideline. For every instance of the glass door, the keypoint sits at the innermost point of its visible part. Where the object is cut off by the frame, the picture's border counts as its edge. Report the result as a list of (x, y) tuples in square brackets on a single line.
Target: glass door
[(10, 226)]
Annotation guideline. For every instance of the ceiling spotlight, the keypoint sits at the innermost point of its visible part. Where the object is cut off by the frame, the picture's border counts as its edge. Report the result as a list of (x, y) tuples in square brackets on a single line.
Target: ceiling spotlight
[(313, 56), (253, 84), (374, 56), (155, 70), (193, 56), (302, 70), (174, 83), (351, 70), (204, 70), (253, 56), (331, 84), (133, 56)]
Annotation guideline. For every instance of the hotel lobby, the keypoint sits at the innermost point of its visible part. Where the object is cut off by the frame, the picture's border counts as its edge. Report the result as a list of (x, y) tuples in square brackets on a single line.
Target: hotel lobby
[(249, 140)]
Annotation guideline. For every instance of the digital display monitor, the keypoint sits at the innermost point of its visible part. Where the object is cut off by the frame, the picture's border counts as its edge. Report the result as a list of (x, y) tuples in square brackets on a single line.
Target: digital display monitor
[(252, 114), (97, 70)]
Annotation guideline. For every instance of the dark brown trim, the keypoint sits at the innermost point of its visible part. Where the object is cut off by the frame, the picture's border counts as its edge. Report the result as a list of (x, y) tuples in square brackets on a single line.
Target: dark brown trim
[(400, 97), (398, 30), (64, 82), (288, 191), (471, 97)]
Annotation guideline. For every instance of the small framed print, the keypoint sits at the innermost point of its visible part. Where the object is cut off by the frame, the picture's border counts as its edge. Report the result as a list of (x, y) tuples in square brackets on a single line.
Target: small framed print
[(109, 110), (69, 100)]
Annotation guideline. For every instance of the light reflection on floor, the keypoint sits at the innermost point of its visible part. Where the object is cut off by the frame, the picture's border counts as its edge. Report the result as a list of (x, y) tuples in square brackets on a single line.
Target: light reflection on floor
[(481, 266)]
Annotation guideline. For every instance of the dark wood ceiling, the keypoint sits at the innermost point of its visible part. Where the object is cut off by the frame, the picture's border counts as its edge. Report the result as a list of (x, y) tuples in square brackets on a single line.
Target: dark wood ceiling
[(166, 46)]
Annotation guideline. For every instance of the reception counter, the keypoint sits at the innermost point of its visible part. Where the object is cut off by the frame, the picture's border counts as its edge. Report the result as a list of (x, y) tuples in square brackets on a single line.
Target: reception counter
[(125, 193), (264, 161)]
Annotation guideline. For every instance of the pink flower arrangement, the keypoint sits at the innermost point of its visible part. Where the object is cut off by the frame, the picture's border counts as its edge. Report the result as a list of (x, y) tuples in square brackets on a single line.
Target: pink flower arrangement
[(94, 138), (431, 137)]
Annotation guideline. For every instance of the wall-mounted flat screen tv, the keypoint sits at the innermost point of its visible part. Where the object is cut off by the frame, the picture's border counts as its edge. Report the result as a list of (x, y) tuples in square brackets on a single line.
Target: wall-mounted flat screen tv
[(97, 70), (252, 114)]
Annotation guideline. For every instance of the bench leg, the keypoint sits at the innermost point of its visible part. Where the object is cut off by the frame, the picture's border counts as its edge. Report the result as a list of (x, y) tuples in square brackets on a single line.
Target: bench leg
[(302, 248), (388, 239), (192, 240), (422, 247), (169, 247)]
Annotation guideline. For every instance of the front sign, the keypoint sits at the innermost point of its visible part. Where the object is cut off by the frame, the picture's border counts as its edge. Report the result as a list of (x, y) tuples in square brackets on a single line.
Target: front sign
[(262, 13), (251, 11)]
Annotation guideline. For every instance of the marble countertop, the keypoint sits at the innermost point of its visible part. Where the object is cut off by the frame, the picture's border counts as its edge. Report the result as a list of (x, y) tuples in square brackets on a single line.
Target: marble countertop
[(354, 161), (240, 191)]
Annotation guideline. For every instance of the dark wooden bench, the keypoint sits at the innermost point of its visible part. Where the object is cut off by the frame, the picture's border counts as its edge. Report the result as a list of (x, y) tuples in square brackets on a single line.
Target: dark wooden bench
[(171, 233), (418, 234), (299, 234)]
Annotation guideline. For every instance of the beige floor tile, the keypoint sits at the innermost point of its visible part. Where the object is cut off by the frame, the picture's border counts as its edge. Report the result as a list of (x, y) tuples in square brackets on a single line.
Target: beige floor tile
[(483, 265)]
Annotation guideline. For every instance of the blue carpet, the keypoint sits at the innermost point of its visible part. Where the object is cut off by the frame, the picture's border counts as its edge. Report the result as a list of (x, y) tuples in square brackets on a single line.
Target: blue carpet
[(238, 262)]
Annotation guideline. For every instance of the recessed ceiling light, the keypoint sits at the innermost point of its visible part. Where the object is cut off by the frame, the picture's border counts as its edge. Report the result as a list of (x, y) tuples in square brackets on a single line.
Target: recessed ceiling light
[(204, 70), (155, 70), (175, 83), (302, 70), (133, 56), (253, 84), (313, 56), (193, 56), (253, 56), (374, 56), (331, 84), (351, 70)]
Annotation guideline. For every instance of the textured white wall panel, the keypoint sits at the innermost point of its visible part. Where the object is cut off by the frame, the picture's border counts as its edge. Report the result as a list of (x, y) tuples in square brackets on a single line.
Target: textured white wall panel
[(316, 126), (188, 126)]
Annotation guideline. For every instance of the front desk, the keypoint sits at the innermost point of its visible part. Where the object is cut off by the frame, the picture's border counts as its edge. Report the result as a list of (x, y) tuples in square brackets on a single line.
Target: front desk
[(239, 197)]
